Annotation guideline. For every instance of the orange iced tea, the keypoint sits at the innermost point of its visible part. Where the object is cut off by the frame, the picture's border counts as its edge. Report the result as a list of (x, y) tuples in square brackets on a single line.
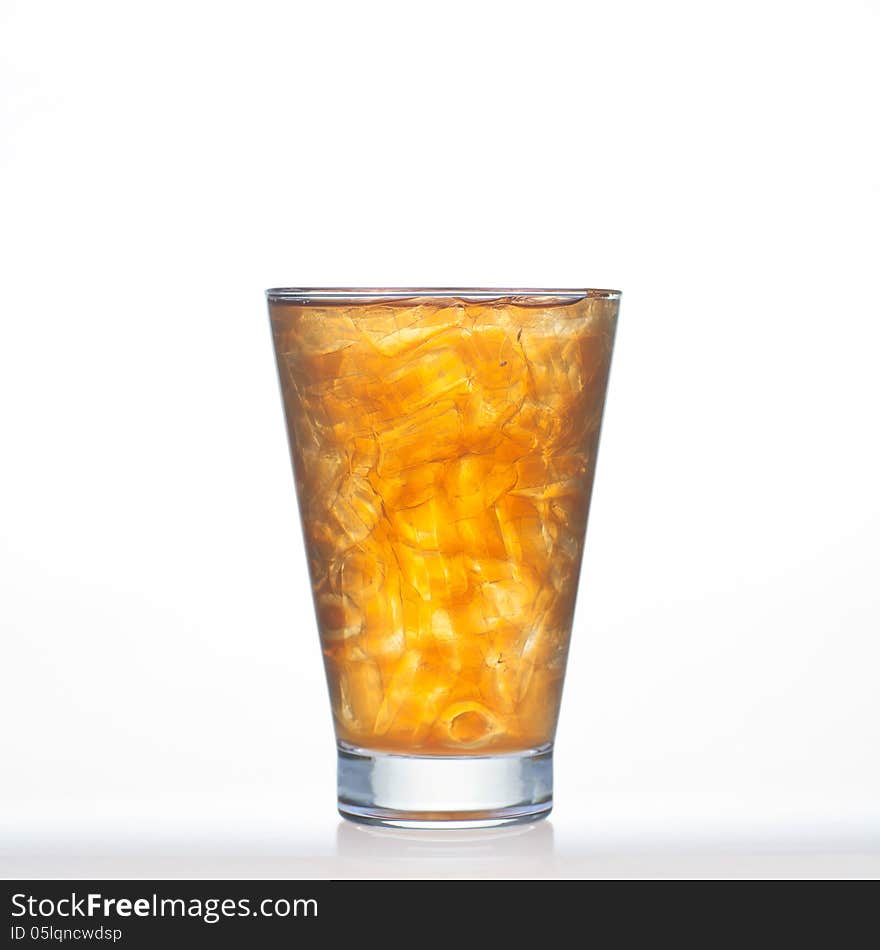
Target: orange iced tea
[(444, 449)]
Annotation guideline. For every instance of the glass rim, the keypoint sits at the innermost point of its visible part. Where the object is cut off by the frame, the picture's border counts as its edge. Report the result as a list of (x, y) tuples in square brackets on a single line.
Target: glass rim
[(361, 294)]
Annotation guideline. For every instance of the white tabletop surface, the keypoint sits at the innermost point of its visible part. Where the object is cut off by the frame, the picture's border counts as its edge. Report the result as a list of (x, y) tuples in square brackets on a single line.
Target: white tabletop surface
[(321, 846)]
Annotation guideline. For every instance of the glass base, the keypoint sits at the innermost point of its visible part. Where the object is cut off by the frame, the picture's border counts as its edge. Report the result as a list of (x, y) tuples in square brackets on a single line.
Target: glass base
[(454, 791)]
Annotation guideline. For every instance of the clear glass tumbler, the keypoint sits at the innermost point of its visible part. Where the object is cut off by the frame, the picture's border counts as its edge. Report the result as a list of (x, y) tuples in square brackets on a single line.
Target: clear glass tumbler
[(444, 445)]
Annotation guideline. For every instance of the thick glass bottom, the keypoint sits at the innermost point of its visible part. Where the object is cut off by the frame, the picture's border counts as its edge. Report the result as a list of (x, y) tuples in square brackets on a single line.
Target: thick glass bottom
[(422, 791)]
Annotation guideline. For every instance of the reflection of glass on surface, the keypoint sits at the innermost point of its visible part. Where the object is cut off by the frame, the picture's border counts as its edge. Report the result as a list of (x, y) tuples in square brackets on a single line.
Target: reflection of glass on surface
[(524, 849), (444, 447)]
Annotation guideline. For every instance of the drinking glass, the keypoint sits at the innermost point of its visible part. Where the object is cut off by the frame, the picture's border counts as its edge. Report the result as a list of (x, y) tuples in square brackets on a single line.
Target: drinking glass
[(444, 446)]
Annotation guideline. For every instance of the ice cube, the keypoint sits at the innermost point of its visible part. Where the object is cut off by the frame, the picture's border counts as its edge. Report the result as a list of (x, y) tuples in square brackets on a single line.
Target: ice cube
[(469, 724)]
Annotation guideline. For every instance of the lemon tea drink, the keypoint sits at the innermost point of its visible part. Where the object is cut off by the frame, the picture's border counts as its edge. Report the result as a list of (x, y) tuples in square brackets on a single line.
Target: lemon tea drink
[(444, 446)]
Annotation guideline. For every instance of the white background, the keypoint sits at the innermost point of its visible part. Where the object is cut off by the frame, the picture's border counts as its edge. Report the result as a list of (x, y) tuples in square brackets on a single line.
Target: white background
[(162, 705)]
